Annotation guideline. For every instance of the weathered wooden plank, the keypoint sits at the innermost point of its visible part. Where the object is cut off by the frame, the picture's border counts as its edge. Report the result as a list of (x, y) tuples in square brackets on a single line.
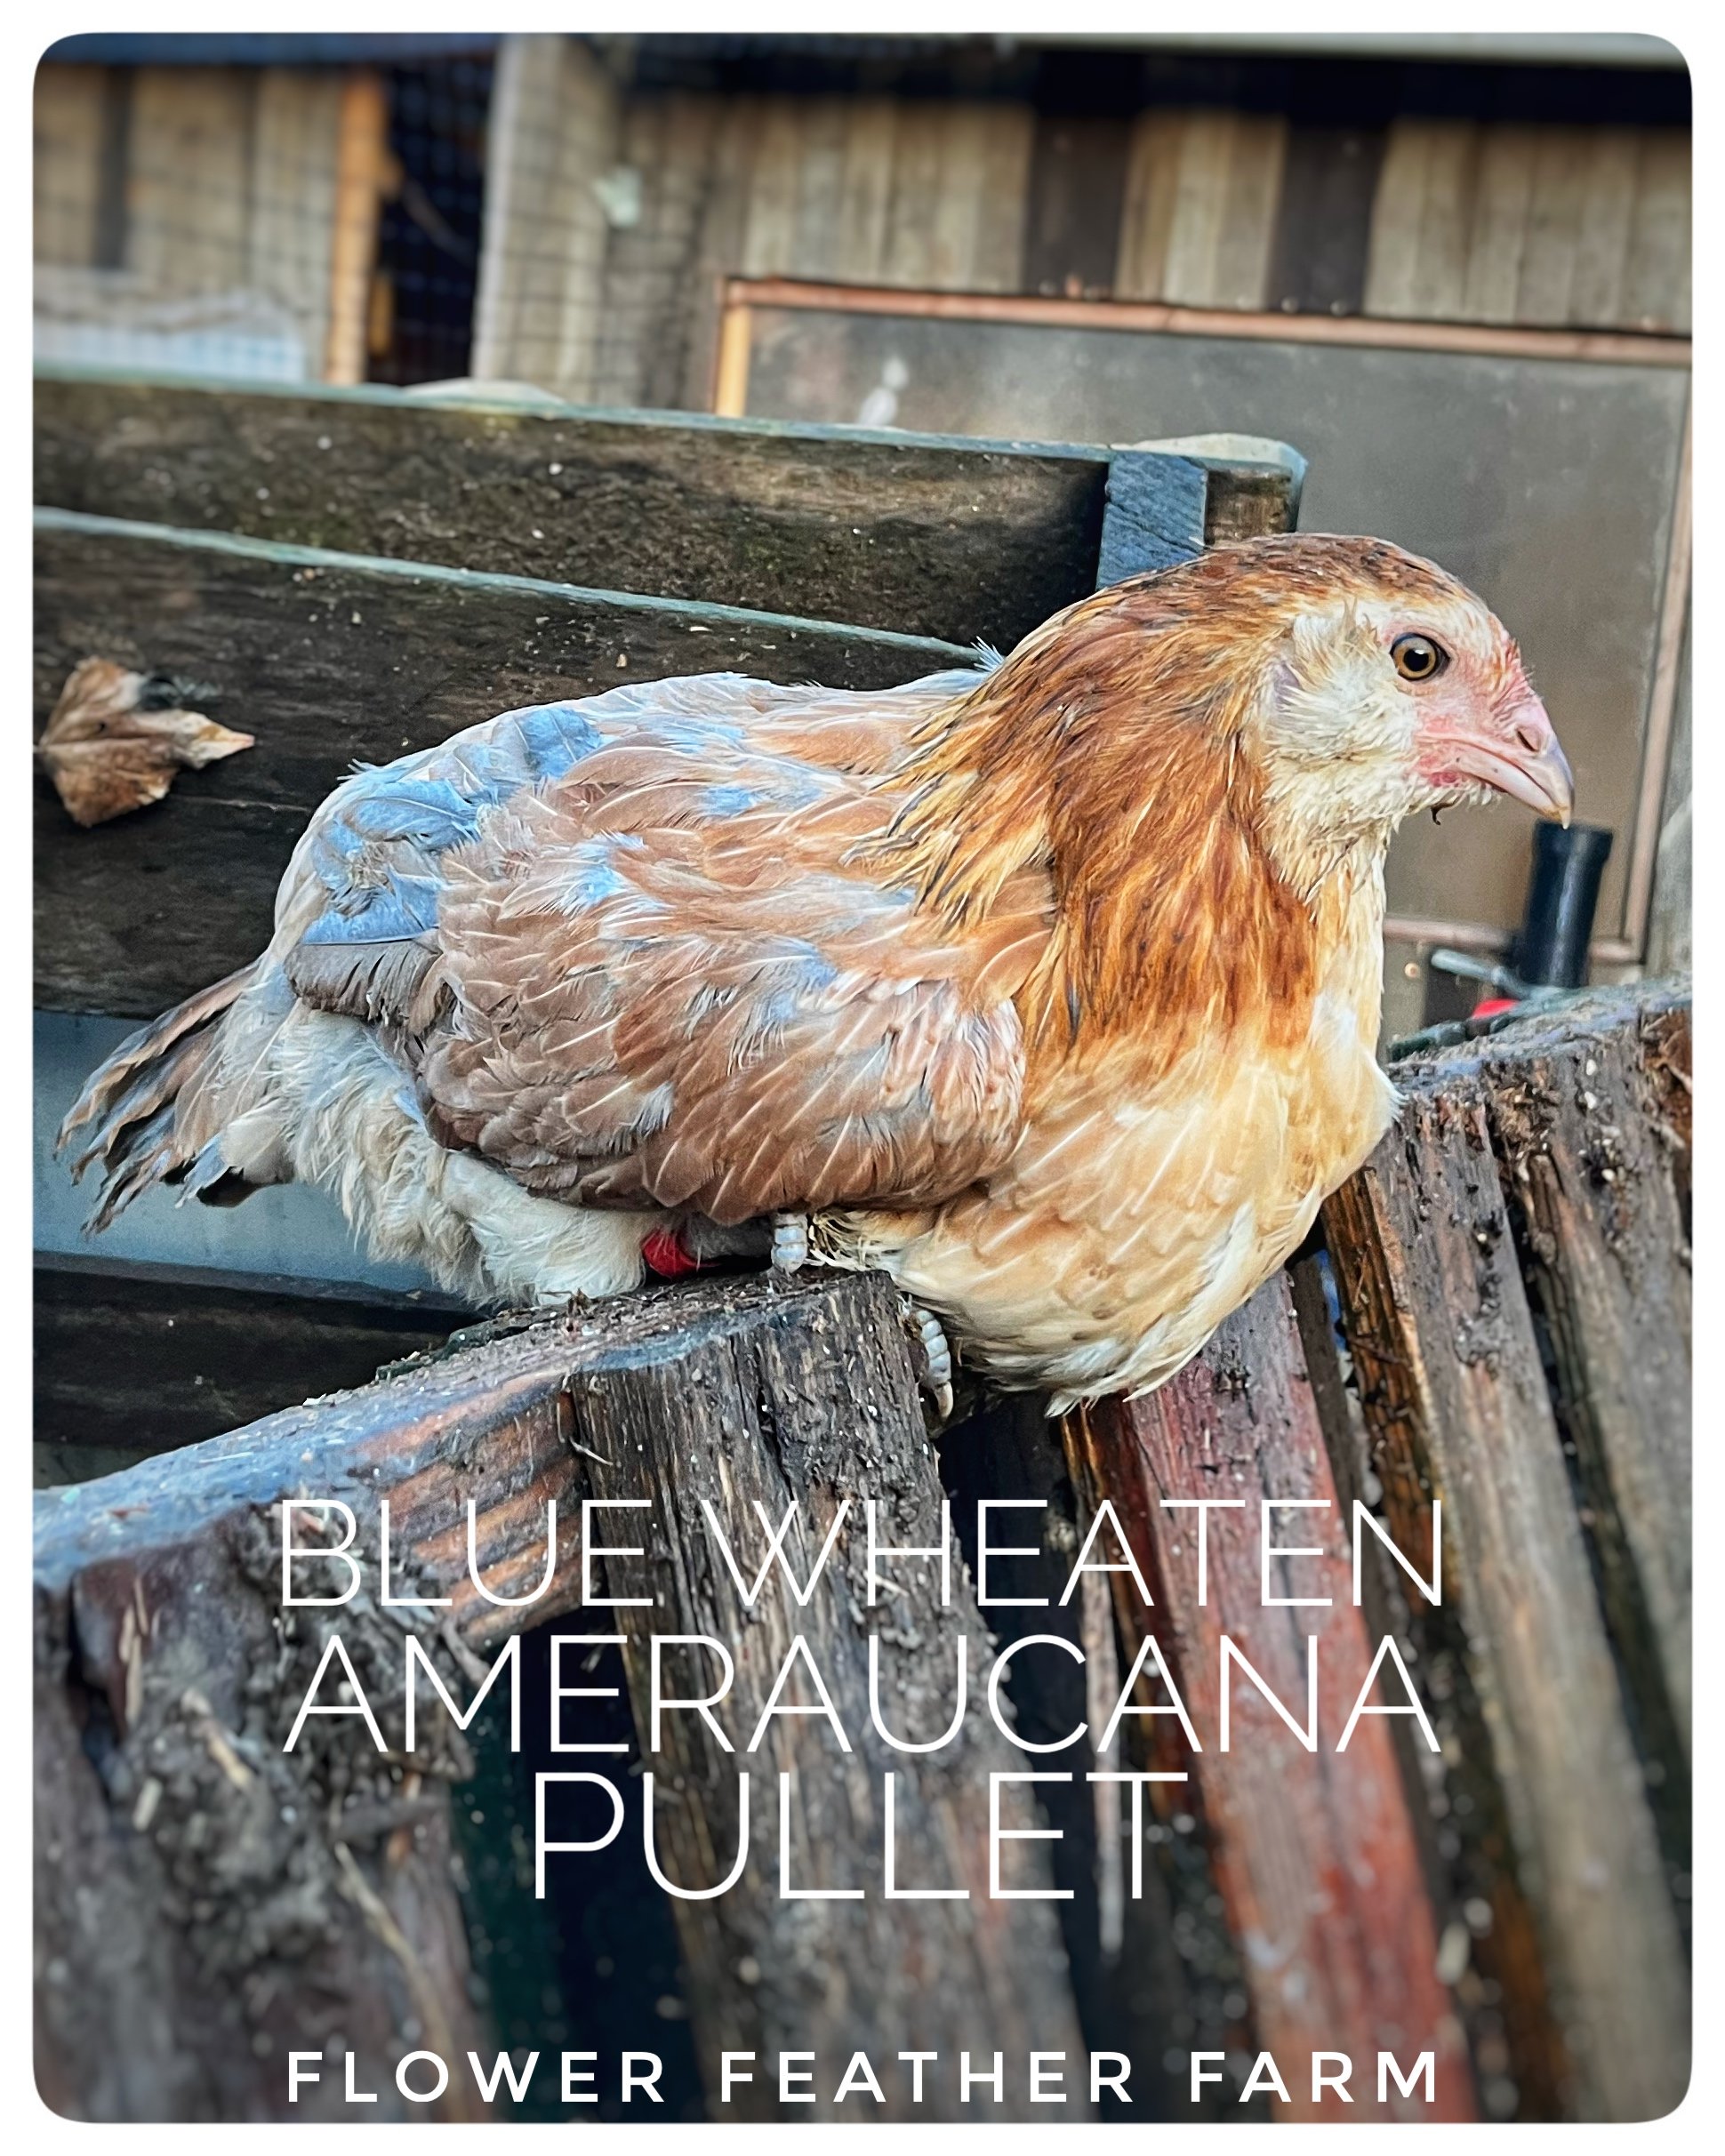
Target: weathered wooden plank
[(918, 144), (68, 115), (1554, 213), (1149, 196), (232, 1903), (1657, 281), (1503, 198), (918, 536), (187, 196), (788, 1392), (1323, 228), (1586, 1153), (1251, 201), (204, 1903), (1200, 187), (958, 195), (1155, 515), (820, 200), (996, 263), (1316, 1853), (1077, 196), (1202, 192), (984, 1975), (719, 249), (1456, 1407), (1515, 223), (135, 1360), (866, 202), (1422, 221), (1147, 1967), (1398, 207), (330, 658), (1247, 501), (634, 261), (286, 634), (1490, 1943), (291, 227), (651, 305), (1607, 209), (362, 153), (961, 177), (556, 122), (774, 185)]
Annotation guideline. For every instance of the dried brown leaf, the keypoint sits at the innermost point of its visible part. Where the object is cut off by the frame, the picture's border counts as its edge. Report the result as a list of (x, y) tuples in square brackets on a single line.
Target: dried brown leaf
[(114, 744)]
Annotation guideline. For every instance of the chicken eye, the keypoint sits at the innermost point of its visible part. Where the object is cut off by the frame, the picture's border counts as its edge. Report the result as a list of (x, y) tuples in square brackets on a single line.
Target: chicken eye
[(1417, 658)]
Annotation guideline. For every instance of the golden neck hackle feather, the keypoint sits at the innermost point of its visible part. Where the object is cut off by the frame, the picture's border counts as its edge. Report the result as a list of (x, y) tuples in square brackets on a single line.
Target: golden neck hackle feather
[(1113, 756)]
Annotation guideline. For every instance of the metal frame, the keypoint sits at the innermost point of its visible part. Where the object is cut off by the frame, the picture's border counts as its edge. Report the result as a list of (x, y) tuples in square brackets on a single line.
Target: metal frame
[(742, 297)]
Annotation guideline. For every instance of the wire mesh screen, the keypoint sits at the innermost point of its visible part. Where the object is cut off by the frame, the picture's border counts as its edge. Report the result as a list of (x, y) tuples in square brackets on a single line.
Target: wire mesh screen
[(430, 225), (260, 223)]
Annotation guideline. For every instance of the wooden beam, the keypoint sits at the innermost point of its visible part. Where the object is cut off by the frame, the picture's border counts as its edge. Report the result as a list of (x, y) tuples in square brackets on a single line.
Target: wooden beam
[(1172, 1957), (68, 111), (328, 658), (1456, 1407), (1587, 1155), (158, 1597), (362, 149), (1316, 1853), (1601, 348), (1156, 515), (915, 535), (556, 130), (131, 1360)]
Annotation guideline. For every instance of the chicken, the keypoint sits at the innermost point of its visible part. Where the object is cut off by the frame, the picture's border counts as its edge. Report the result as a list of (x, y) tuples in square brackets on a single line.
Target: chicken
[(1050, 987)]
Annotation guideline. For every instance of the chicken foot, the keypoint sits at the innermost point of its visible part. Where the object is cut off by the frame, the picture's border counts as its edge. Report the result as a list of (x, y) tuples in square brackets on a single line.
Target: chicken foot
[(932, 1353), (790, 1241)]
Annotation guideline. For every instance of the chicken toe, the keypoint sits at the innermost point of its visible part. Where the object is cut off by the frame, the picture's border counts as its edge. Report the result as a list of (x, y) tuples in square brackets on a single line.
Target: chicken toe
[(790, 1241), (933, 1354)]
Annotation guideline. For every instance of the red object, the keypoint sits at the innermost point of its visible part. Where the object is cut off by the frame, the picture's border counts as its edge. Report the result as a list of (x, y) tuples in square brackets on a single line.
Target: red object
[(1492, 1004), (669, 1256)]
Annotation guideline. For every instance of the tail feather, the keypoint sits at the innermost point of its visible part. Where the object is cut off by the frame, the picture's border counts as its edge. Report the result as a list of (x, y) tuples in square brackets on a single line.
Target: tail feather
[(129, 1108)]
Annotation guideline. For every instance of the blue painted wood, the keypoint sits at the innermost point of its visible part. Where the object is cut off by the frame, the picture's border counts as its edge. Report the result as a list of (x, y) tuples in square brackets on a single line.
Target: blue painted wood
[(1154, 515)]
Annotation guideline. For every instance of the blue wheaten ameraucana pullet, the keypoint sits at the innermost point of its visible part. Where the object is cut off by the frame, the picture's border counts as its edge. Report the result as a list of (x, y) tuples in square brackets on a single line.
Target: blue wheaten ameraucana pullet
[(1051, 987)]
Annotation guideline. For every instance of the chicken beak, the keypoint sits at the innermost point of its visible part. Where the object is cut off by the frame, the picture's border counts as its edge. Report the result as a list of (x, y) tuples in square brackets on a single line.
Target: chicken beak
[(1545, 782), (1526, 762)]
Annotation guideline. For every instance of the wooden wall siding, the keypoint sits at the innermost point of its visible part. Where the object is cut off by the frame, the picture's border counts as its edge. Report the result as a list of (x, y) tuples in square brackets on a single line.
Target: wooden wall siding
[(878, 191), (225, 181), (290, 232), (1546, 227), (1329, 180), (869, 190), (653, 277), (188, 188), (1203, 191), (610, 220), (556, 129), (1077, 202), (1658, 268), (67, 163)]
